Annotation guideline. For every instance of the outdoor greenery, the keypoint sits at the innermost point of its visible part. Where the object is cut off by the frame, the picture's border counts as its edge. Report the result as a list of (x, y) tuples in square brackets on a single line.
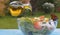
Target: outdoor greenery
[(9, 22), (37, 4)]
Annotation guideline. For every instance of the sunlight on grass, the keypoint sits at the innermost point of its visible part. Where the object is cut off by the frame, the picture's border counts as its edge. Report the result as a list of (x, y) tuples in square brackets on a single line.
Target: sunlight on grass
[(9, 22)]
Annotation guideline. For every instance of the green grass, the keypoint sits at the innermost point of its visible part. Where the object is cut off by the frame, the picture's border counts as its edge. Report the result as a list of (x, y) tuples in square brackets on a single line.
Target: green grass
[(9, 22)]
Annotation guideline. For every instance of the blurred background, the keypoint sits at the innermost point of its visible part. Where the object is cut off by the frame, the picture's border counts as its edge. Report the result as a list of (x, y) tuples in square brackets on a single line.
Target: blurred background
[(38, 9)]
